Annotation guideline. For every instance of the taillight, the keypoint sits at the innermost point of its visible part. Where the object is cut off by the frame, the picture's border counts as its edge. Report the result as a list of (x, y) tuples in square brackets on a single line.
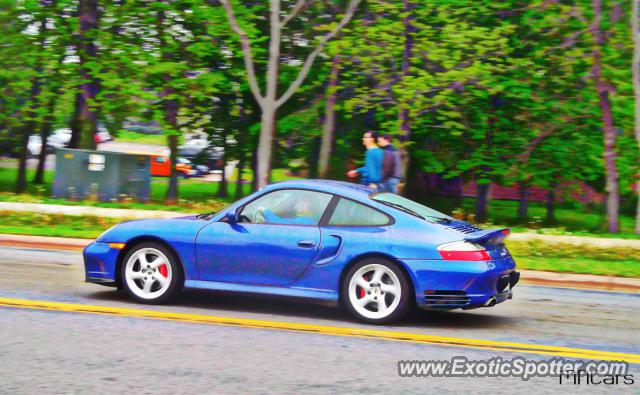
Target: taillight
[(463, 251)]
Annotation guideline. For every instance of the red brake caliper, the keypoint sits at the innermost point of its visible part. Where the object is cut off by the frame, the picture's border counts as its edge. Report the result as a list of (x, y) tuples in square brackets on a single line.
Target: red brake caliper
[(362, 292), (163, 270)]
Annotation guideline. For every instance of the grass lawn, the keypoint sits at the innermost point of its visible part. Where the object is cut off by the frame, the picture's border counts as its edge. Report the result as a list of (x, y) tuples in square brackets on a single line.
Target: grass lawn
[(562, 257), (55, 225), (196, 195), (628, 268), (127, 136)]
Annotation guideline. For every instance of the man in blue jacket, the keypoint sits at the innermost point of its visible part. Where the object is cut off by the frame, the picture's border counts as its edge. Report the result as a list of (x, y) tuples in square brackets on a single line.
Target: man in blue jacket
[(371, 172)]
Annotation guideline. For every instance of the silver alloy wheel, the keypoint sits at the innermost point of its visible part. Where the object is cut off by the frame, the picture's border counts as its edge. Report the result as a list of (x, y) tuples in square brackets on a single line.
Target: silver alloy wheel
[(148, 273), (374, 291)]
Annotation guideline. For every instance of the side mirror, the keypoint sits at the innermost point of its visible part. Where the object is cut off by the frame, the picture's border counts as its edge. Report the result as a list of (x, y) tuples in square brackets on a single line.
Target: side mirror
[(231, 216)]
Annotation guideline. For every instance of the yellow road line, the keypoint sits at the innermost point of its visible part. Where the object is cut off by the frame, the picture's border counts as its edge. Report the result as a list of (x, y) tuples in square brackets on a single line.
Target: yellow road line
[(326, 330)]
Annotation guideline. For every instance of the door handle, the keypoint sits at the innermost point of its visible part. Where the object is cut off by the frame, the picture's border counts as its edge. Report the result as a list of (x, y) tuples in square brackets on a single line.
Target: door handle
[(307, 243)]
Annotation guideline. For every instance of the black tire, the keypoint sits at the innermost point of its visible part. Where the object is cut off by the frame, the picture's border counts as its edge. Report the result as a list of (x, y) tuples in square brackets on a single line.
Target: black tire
[(405, 299), (175, 283)]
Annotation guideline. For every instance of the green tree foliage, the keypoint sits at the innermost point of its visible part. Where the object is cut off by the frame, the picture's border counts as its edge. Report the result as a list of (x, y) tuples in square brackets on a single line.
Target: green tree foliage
[(522, 93)]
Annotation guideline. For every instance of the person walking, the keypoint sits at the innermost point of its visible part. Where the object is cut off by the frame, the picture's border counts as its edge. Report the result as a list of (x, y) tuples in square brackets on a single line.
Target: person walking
[(371, 172), (391, 165)]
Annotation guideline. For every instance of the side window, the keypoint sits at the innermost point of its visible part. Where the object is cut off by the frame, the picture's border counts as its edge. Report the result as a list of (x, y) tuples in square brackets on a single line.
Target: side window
[(350, 213), (287, 207)]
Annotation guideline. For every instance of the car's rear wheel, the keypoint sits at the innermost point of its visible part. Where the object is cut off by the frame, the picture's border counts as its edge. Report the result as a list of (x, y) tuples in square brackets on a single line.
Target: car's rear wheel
[(376, 291), (150, 273)]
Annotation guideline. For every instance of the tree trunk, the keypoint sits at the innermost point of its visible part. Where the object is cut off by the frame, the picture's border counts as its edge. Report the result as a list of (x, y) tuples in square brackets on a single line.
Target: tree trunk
[(27, 129), (550, 218), (523, 203), (21, 180), (635, 25), (170, 108), (242, 154), (239, 180), (171, 117), (603, 88), (270, 102), (314, 155), (74, 123), (265, 147), (45, 131), (482, 203), (328, 128), (87, 51), (254, 169), (172, 191), (407, 54), (223, 191)]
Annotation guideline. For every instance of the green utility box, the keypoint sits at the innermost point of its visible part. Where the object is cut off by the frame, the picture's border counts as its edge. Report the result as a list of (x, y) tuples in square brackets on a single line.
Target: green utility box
[(101, 175)]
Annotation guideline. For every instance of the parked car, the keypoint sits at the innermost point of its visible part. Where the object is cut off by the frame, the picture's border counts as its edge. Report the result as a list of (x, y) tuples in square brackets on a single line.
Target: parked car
[(208, 156), (142, 127), (102, 135), (34, 145), (161, 167), (201, 170), (60, 138), (377, 254)]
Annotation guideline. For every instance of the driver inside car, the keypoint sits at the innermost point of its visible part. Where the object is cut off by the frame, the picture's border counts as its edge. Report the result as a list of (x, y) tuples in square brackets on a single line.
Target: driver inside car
[(303, 215)]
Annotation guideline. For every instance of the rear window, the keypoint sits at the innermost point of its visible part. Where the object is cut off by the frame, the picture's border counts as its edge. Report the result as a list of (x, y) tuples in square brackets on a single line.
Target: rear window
[(410, 207), (350, 213)]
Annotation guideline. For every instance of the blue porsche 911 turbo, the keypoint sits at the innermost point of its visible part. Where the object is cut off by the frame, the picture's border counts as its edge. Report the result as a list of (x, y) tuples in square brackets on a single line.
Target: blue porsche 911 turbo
[(377, 254)]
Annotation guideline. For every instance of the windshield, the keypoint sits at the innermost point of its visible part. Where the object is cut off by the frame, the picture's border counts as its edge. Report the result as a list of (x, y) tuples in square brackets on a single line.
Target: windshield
[(411, 207)]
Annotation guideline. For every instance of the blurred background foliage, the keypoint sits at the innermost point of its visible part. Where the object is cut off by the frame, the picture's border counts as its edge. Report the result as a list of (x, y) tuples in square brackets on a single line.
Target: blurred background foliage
[(527, 94)]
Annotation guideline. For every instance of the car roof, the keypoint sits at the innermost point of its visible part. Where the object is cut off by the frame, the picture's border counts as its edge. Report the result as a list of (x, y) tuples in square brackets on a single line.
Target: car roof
[(346, 189)]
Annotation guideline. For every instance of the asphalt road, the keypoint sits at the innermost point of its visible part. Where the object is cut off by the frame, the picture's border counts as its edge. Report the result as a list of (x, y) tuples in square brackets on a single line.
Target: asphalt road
[(62, 352)]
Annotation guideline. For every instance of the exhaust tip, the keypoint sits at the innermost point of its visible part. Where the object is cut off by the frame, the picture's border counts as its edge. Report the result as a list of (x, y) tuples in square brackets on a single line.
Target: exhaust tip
[(490, 302)]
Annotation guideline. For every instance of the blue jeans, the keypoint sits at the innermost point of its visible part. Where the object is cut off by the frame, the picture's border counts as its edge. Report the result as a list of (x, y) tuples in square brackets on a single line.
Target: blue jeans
[(389, 185)]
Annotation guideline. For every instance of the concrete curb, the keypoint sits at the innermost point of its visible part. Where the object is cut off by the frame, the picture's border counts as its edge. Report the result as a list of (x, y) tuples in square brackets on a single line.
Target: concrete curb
[(43, 242), (533, 277), (581, 281)]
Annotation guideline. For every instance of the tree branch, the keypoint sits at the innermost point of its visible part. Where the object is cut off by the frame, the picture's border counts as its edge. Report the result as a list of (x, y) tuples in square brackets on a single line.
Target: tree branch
[(296, 9), (351, 9), (246, 51), (526, 154)]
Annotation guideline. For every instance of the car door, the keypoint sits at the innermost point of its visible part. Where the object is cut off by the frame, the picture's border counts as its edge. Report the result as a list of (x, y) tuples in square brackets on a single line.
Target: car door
[(276, 238)]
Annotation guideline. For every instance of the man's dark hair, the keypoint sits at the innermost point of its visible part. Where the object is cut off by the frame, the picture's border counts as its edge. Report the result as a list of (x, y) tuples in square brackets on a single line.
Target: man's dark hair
[(386, 137), (373, 133)]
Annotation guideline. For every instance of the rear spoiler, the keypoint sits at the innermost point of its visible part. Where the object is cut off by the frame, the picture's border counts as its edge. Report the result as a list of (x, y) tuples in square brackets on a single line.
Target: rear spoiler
[(489, 236)]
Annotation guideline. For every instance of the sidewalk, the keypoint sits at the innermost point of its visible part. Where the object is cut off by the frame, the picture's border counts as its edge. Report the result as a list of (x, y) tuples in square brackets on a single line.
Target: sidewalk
[(88, 210), (550, 279)]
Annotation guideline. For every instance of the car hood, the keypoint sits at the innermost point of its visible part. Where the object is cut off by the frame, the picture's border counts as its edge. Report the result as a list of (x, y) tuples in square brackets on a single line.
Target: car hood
[(184, 228)]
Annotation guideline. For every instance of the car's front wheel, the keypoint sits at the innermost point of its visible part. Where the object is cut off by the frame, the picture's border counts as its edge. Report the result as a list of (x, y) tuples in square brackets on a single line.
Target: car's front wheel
[(376, 291), (150, 273)]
